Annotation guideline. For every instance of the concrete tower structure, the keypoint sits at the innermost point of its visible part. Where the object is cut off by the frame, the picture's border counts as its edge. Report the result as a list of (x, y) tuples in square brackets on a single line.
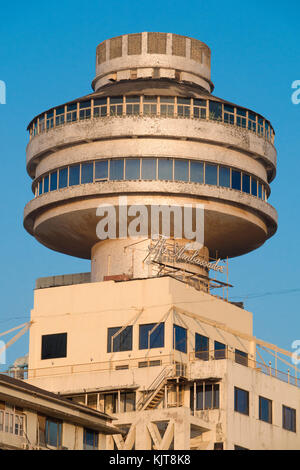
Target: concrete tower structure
[(174, 363)]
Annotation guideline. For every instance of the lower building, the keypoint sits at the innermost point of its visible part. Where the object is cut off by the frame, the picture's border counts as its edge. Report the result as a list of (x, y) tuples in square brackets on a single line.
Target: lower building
[(177, 367), (34, 419)]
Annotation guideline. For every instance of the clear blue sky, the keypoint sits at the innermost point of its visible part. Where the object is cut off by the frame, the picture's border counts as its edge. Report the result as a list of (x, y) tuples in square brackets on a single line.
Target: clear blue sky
[(47, 56)]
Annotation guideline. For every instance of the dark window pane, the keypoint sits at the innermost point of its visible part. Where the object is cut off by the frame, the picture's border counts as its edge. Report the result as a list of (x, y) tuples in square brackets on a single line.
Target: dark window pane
[(215, 110), (85, 104), (155, 339), (201, 347), (60, 110), (100, 101), (253, 186), (199, 102), (241, 357), (196, 172), (116, 99), (40, 187), (149, 169), (53, 181), (241, 112), (246, 183), (179, 338), (241, 401), (122, 341), (101, 170), (211, 174), (228, 108), (74, 175), (53, 433), (165, 169), (288, 418), (132, 169), (265, 410), (72, 107), (181, 170), (236, 180), (224, 177), (220, 350), (166, 99), (87, 170), (259, 190), (216, 396), (63, 178), (208, 397), (46, 184), (116, 169), (54, 346), (90, 439)]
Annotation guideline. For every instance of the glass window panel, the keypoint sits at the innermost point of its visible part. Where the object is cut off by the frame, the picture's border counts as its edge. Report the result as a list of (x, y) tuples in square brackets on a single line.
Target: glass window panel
[(199, 397), (150, 99), (167, 99), (165, 169), (259, 190), (199, 102), (53, 181), (87, 170), (236, 179), (215, 110), (289, 418), (265, 410), (60, 110), (101, 170), (130, 401), (132, 169), (40, 187), (183, 111), (149, 168), (132, 99), (179, 338), (241, 112), (224, 176), (216, 396), (54, 346), (116, 169), (155, 339), (100, 101), (183, 100), (72, 107), (122, 341), (63, 178), (246, 183), (211, 174), (241, 401), (74, 175), (208, 397), (253, 186), (241, 357), (85, 104), (46, 184), (196, 172), (220, 350), (90, 440), (116, 100), (201, 347), (181, 170), (53, 433), (228, 108), (199, 113)]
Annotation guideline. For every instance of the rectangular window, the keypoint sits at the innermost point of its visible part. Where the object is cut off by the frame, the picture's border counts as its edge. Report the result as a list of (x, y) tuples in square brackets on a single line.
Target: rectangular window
[(259, 191), (46, 184), (251, 121), (228, 114), (181, 170), (241, 357), (110, 403), (127, 403), (236, 180), (133, 105), (119, 342), (116, 106), (224, 177), (183, 107), (149, 169), (288, 418), (40, 187), (60, 116), (132, 169), (215, 111), (116, 169), (200, 109), (265, 410), (90, 439), (220, 350), (100, 107), (72, 112), (150, 105), (152, 335), (201, 347), (53, 181), (211, 174), (87, 173), (241, 401), (179, 338), (241, 118), (207, 396), (165, 169), (101, 170), (74, 175), (63, 178), (53, 433), (246, 183), (166, 106), (54, 346), (253, 186), (196, 172)]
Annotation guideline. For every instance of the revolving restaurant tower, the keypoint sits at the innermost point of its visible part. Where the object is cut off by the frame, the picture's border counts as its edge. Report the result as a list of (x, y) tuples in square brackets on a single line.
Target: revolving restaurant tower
[(141, 336)]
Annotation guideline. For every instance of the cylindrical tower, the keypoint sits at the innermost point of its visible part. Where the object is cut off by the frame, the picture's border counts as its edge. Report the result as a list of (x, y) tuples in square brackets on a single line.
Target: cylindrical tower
[(153, 133)]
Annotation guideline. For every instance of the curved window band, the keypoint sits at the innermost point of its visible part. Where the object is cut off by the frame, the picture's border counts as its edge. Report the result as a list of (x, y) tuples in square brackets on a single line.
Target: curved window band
[(165, 106), (149, 169)]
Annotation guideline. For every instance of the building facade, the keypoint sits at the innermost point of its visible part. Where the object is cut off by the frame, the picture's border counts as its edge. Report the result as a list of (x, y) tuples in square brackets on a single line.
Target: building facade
[(143, 336)]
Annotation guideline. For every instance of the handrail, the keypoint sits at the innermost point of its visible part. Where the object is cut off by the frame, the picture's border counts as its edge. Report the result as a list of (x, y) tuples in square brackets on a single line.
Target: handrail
[(166, 372)]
